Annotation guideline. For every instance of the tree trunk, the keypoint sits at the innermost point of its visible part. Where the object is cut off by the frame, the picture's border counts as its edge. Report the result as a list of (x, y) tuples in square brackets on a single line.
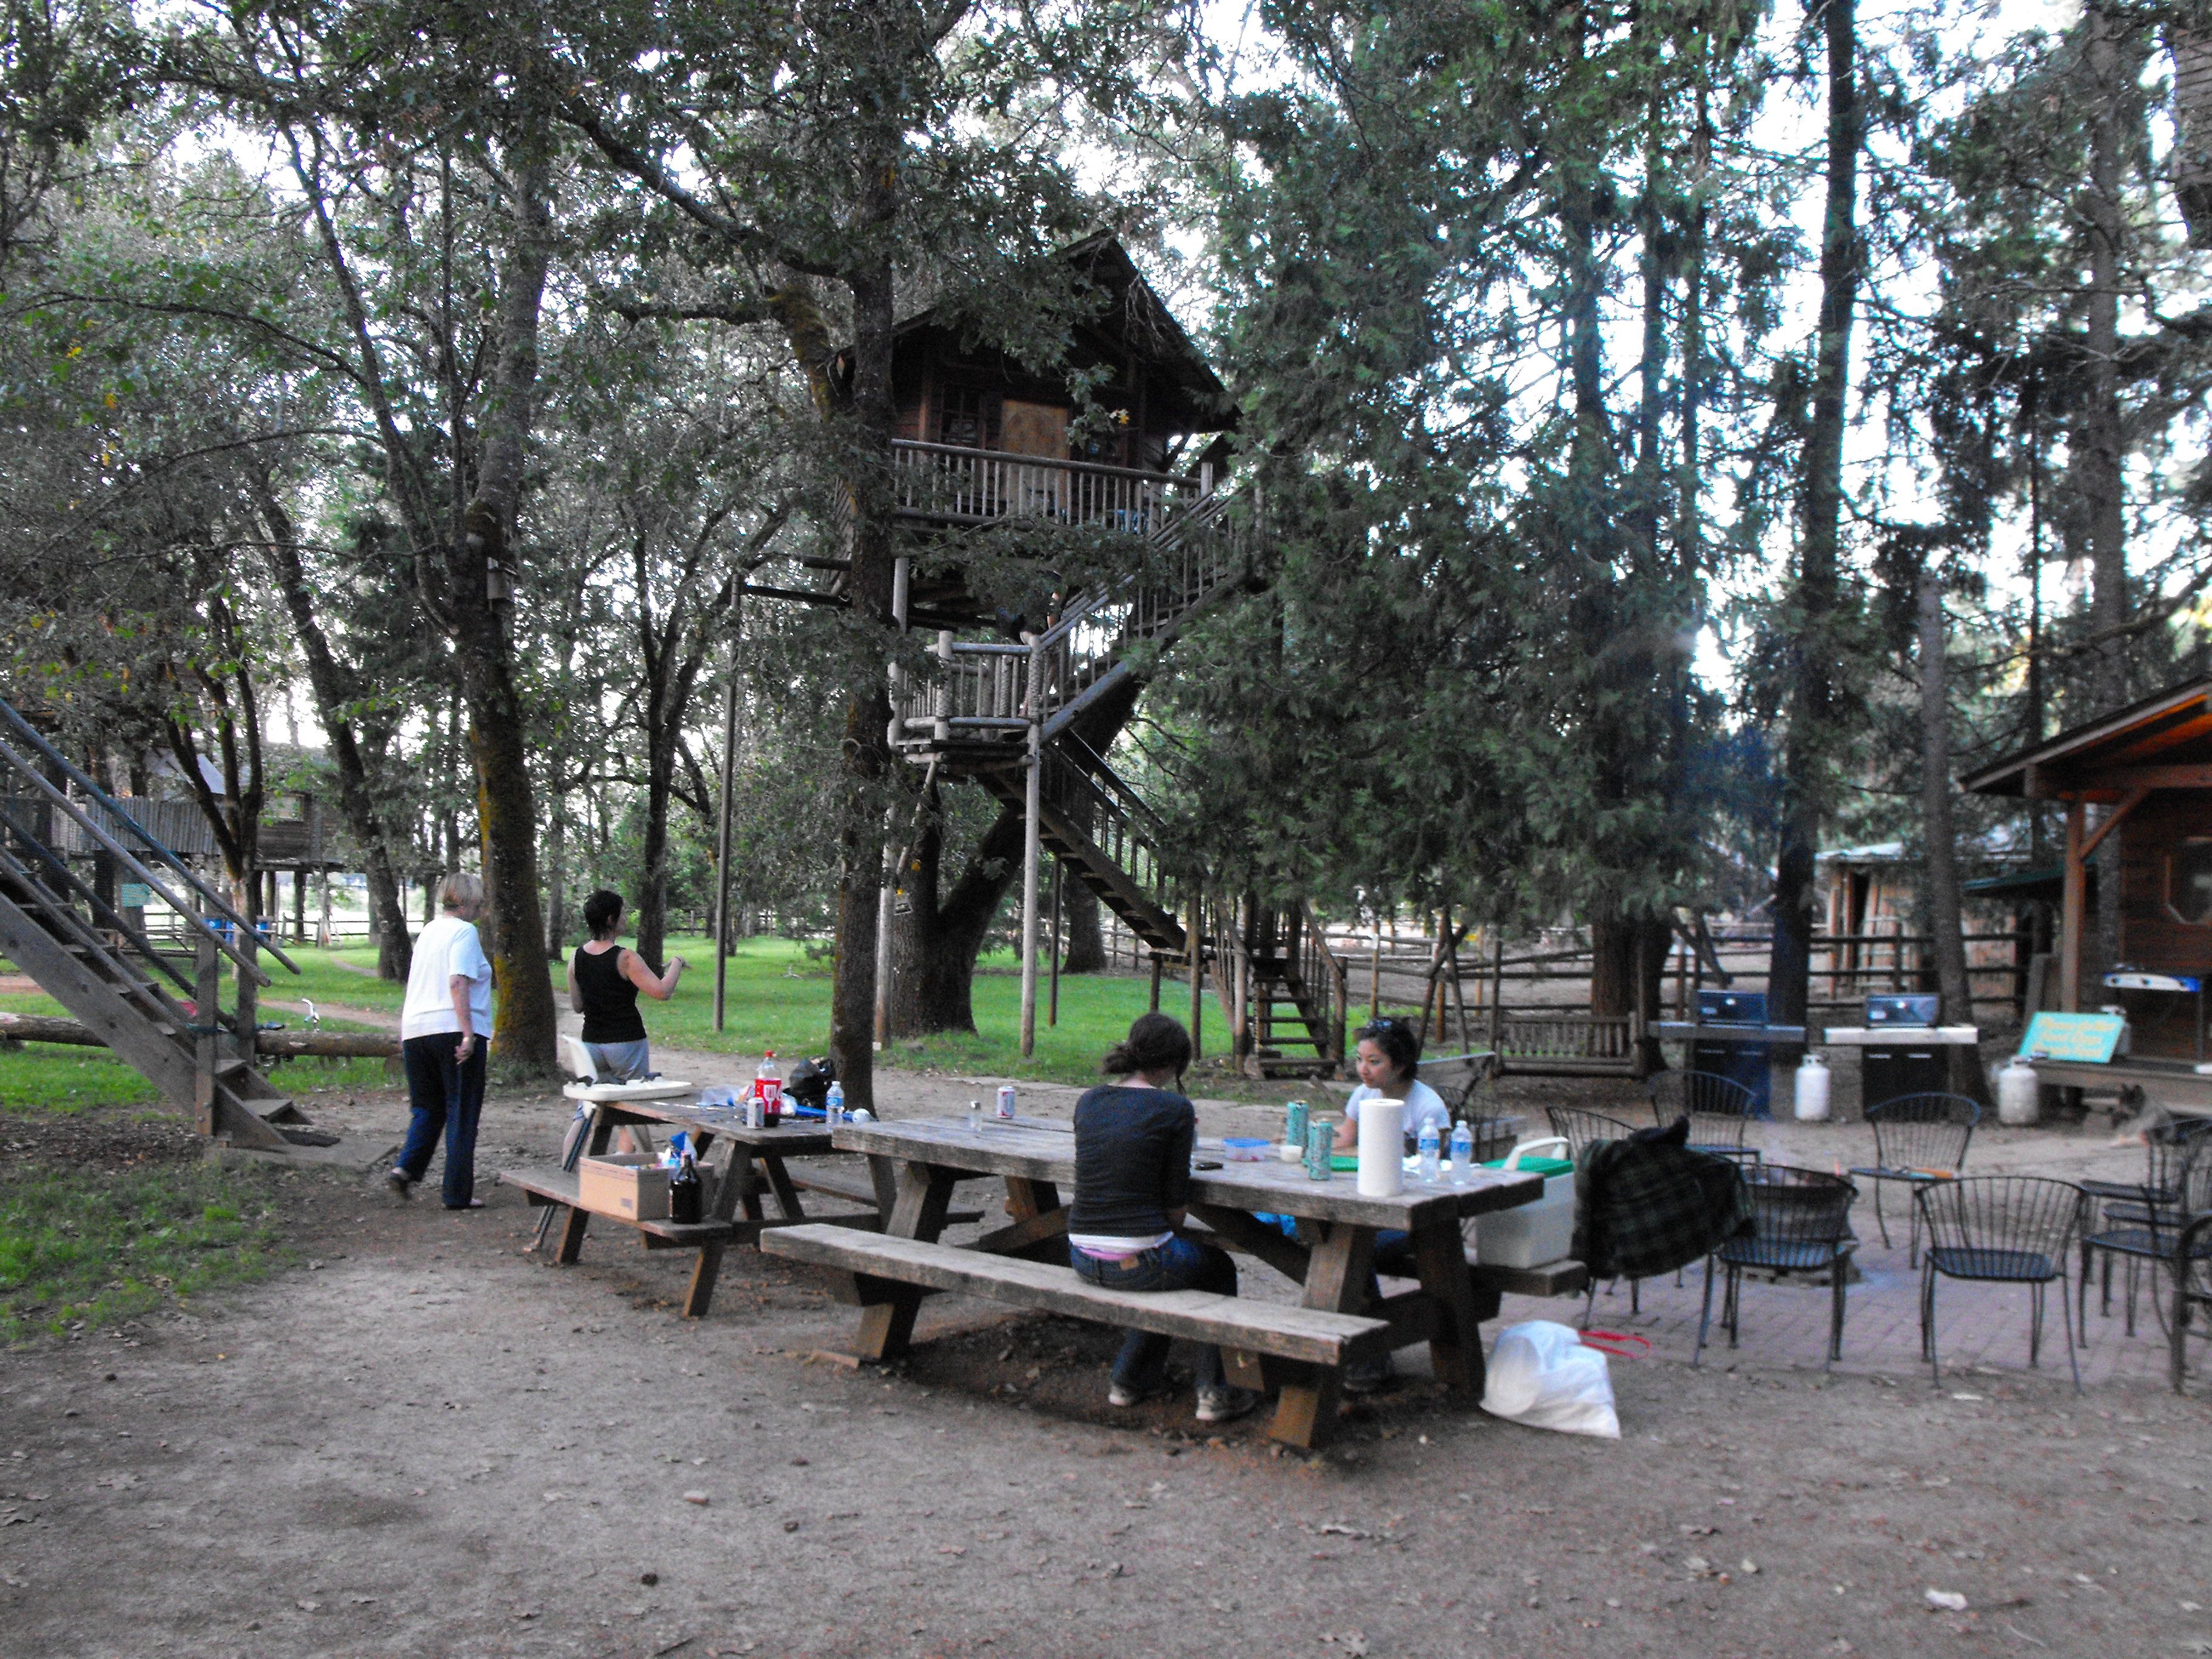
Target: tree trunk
[(1944, 903), (1805, 760), (333, 688), (556, 888), (652, 905), (2097, 473), (934, 946), (479, 564), (1082, 929), (867, 450)]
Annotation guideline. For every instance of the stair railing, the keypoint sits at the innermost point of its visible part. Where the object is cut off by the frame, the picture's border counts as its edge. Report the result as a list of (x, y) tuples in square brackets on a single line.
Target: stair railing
[(123, 820), (980, 689)]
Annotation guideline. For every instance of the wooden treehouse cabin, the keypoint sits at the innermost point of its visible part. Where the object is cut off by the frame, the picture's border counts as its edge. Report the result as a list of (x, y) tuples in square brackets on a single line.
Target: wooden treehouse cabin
[(2145, 773), (1028, 707)]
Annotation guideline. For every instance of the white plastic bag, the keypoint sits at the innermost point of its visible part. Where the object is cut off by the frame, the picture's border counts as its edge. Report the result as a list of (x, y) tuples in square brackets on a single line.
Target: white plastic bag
[(1542, 1375)]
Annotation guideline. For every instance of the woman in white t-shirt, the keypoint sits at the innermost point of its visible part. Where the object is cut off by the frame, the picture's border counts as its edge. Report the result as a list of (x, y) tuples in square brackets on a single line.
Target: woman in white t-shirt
[(445, 1026), (1389, 1054)]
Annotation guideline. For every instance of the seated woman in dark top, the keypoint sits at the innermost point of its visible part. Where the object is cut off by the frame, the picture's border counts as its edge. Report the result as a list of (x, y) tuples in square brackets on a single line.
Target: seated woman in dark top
[(604, 980), (1132, 1147)]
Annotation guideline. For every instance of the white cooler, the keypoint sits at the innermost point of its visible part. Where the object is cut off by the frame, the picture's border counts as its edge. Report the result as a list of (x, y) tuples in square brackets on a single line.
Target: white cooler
[(1530, 1234)]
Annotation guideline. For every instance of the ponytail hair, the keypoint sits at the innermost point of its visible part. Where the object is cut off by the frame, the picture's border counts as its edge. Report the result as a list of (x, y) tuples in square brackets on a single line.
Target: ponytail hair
[(1156, 1042)]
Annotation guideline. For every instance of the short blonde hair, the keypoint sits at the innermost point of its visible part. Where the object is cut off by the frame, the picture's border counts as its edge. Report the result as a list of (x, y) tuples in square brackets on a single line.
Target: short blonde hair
[(460, 888)]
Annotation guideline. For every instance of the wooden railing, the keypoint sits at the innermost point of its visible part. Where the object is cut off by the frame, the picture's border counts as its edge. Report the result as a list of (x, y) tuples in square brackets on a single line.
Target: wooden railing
[(957, 485)]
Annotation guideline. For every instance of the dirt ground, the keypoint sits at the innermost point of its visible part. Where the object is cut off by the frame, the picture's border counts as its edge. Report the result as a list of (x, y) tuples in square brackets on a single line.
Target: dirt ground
[(423, 1440)]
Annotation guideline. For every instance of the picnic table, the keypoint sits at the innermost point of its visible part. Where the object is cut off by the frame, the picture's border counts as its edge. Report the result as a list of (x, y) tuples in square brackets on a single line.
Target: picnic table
[(755, 1168), (1299, 1351)]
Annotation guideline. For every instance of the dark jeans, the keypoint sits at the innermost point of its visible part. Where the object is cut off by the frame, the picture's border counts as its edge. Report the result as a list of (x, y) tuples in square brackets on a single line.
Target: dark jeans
[(1178, 1265), (446, 1097)]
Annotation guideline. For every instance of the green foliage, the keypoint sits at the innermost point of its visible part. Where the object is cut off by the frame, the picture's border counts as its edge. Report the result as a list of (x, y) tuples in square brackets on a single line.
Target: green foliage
[(94, 1247)]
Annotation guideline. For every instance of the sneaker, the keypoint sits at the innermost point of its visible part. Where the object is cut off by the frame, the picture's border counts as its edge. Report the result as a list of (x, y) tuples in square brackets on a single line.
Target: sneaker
[(473, 1204), (1133, 1394), (1368, 1375), (1225, 1404), (400, 1186)]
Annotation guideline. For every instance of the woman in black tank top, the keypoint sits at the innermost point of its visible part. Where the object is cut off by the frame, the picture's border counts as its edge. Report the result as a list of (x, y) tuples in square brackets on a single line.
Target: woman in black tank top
[(604, 980)]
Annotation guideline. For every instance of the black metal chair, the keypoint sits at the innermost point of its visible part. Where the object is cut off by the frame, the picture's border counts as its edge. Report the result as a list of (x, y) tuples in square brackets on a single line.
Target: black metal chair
[(1917, 1139), (1801, 1224), (2143, 1223), (1718, 1107), (1579, 1128), (2005, 1230), (2192, 1288)]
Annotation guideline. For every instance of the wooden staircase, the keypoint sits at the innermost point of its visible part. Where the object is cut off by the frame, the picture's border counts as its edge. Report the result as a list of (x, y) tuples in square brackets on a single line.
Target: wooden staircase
[(1280, 988), (86, 955)]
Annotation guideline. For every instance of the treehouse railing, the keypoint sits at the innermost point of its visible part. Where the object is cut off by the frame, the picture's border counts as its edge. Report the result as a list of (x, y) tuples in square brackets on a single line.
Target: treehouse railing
[(955, 485)]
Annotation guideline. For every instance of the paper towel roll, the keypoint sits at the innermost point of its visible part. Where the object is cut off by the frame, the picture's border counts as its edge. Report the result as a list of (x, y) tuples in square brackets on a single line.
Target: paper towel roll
[(1382, 1147)]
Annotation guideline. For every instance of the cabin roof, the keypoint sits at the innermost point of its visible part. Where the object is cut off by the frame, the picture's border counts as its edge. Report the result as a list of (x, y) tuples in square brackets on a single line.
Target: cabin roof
[(2171, 728), (1136, 319)]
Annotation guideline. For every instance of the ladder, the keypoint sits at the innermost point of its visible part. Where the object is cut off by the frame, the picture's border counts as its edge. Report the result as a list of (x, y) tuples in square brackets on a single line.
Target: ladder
[(1280, 985), (83, 953)]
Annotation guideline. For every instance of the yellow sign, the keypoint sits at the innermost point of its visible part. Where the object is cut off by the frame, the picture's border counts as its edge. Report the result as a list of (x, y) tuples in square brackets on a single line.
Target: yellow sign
[(2089, 1038)]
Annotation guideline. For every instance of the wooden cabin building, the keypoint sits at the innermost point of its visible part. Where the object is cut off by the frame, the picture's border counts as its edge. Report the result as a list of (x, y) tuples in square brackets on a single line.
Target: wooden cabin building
[(2137, 786), (983, 439)]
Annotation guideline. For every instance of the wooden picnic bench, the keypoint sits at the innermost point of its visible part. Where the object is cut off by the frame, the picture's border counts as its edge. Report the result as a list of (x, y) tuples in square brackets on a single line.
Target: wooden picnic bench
[(1025, 1261), (755, 1169)]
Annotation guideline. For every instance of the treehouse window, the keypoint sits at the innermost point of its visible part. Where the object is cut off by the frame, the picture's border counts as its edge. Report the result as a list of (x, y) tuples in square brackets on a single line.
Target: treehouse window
[(2189, 881), (967, 418)]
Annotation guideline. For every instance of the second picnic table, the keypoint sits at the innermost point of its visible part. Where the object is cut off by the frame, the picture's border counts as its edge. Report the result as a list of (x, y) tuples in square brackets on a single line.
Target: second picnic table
[(919, 1161)]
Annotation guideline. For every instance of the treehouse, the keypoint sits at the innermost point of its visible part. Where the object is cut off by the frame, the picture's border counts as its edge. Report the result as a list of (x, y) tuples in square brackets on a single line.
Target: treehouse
[(982, 438), (2147, 772), (1129, 435)]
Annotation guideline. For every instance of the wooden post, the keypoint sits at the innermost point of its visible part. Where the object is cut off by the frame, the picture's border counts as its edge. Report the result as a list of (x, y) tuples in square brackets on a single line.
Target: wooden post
[(323, 883), (1459, 997), (1032, 849), (2073, 910), (1155, 975), (722, 844), (1194, 938), (1375, 977), (207, 1005), (1497, 986), (1052, 1006)]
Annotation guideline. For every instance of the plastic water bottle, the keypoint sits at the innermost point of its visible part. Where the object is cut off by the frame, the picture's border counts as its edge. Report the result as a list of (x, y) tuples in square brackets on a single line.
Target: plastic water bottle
[(832, 1105), (975, 1117), (1428, 1144), (1463, 1150)]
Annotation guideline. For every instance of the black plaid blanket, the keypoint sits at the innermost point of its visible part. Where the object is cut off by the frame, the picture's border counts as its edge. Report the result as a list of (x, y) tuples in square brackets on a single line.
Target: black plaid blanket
[(1644, 1206)]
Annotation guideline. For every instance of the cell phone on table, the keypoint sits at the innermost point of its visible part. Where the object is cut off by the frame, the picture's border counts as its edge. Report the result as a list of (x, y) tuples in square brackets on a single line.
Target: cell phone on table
[(1205, 1164)]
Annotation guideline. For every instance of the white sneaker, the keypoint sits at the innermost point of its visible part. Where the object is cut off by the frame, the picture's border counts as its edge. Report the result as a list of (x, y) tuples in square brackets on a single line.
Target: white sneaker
[(401, 1187), (1122, 1393), (1225, 1404)]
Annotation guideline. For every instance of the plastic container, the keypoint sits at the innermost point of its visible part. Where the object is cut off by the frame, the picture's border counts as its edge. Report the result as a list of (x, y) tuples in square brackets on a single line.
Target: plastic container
[(1811, 1089), (1530, 1234), (2019, 1093), (1246, 1149)]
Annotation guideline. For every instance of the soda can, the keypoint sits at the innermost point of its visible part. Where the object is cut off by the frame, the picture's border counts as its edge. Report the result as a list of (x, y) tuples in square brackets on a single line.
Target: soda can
[(1320, 1149), (1295, 1117), (751, 1111), (1006, 1101)]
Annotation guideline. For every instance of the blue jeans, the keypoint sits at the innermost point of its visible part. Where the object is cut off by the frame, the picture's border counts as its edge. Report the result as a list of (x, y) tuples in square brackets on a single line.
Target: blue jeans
[(1180, 1264), (447, 1096)]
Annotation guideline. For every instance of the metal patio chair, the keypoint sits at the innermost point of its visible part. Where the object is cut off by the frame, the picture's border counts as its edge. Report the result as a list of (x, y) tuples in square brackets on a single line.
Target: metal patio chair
[(2004, 1229), (2142, 1221), (2192, 1288), (1801, 1224), (1917, 1139), (1718, 1107)]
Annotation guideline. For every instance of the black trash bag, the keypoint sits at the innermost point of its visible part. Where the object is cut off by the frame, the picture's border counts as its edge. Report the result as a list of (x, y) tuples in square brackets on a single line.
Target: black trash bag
[(809, 1082)]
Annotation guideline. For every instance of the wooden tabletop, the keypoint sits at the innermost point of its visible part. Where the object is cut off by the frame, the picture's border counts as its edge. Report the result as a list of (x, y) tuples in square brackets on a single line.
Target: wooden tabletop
[(790, 1139), (1036, 1150)]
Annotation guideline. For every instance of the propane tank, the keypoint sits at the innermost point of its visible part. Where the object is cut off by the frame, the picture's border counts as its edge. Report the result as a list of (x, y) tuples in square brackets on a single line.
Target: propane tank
[(1812, 1091), (2019, 1093)]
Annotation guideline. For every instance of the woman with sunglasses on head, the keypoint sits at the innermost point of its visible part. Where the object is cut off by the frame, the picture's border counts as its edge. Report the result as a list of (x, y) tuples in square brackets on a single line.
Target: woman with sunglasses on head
[(1133, 1148)]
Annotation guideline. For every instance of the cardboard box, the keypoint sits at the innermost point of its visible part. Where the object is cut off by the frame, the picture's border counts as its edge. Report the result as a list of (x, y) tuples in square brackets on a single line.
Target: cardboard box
[(630, 1185)]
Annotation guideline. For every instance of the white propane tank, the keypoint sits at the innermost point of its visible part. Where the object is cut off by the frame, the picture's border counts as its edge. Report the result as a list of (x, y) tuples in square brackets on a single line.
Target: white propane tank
[(2019, 1093), (1812, 1093)]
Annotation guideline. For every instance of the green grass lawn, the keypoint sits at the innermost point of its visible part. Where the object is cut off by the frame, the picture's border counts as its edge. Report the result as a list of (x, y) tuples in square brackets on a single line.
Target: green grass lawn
[(779, 998), (101, 1246)]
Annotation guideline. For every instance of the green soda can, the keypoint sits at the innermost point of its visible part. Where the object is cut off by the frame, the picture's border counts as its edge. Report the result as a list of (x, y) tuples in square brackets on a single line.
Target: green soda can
[(1320, 1149), (1295, 1117)]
